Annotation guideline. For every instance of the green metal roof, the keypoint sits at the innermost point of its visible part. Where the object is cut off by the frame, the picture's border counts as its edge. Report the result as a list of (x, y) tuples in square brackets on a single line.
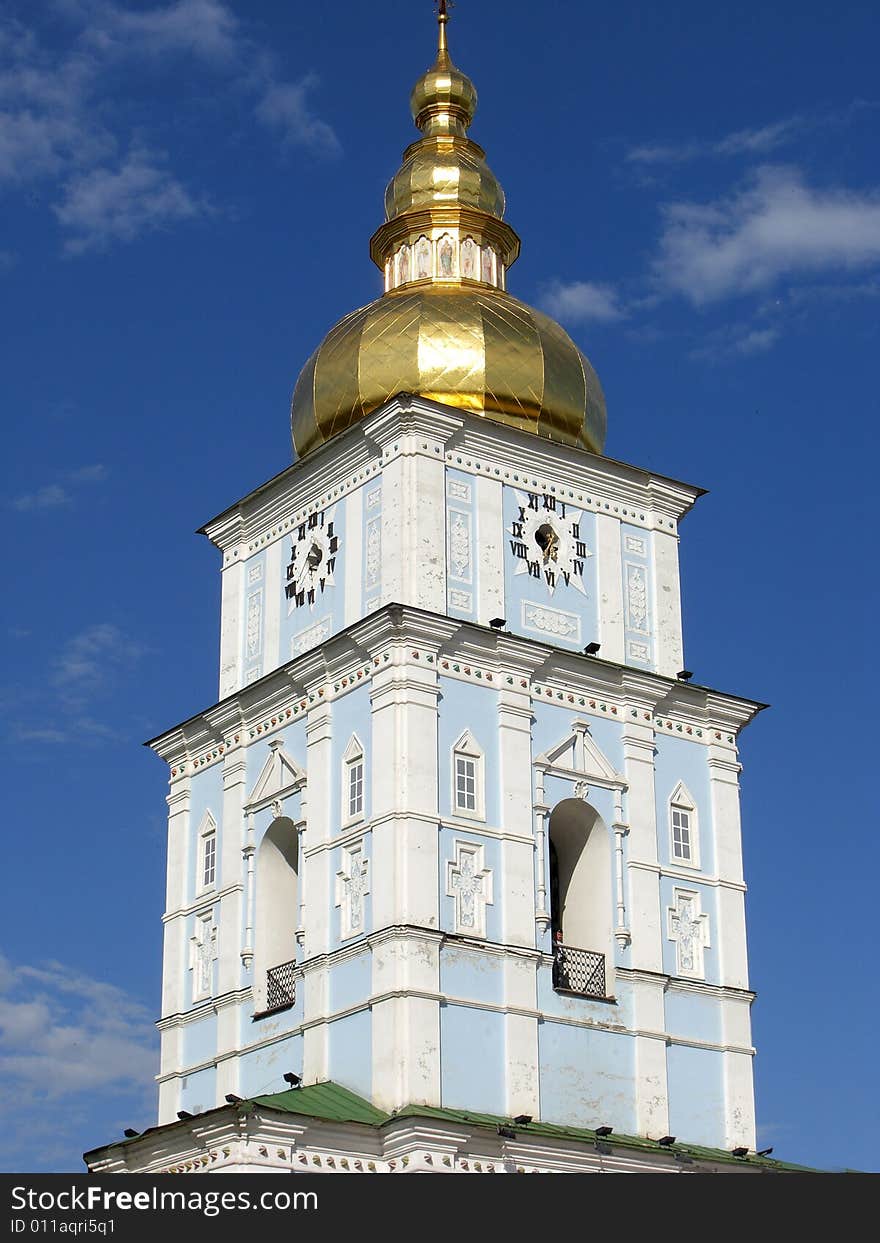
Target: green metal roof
[(334, 1103), (323, 1100)]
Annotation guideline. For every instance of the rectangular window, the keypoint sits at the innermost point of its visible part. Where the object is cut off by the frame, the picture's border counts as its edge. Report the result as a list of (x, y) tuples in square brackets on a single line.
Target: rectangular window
[(465, 783), (681, 834), (210, 860), (356, 788)]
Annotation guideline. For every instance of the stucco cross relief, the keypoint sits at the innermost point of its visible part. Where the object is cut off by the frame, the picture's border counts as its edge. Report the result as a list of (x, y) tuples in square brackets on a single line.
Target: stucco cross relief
[(689, 929), (469, 883), (351, 885), (203, 953)]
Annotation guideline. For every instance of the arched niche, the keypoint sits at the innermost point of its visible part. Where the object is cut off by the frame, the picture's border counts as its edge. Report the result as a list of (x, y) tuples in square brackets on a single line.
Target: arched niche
[(581, 900), (277, 905)]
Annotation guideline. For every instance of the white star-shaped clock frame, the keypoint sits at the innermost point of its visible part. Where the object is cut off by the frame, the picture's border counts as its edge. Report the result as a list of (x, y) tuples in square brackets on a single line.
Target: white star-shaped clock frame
[(546, 541)]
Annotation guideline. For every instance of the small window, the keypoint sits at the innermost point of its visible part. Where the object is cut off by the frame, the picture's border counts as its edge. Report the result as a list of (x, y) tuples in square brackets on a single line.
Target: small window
[(467, 778), (356, 788), (353, 781), (206, 858), (684, 841), (681, 834), (209, 860), (465, 783)]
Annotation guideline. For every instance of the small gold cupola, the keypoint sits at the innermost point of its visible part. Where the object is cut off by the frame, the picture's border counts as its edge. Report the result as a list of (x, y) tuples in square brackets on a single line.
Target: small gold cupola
[(444, 206), (445, 327)]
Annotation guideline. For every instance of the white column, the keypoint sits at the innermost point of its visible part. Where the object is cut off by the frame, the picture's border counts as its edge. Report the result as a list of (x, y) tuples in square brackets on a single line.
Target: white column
[(231, 608), (316, 874), (610, 579), (273, 596), (517, 858), (489, 542), (669, 652)]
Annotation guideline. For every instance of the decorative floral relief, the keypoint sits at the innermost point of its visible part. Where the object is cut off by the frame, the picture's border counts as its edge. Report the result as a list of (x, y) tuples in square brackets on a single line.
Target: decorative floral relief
[(255, 573), (458, 490), (311, 637), (374, 551), (460, 544), (253, 641), (461, 600), (551, 621), (374, 498), (639, 651), (636, 545), (637, 598)]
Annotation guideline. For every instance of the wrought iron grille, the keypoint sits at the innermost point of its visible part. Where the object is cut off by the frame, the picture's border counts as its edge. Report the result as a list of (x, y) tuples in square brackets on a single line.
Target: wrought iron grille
[(579, 971), (280, 986)]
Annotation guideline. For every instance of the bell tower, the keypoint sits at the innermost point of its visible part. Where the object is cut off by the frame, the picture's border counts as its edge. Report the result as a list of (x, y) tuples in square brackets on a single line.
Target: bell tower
[(454, 864)]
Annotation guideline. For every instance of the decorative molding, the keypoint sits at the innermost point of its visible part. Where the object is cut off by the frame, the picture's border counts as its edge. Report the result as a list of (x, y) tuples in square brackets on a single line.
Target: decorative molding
[(546, 621), (459, 535), (373, 553), (254, 633), (462, 600), (280, 776), (458, 491), (636, 598), (203, 954), (469, 884), (352, 884), (688, 927), (314, 634)]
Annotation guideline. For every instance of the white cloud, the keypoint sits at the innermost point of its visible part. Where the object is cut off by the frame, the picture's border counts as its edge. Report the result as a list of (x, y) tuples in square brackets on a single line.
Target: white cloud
[(64, 1032), (776, 226), (204, 28), (284, 107), (736, 341), (582, 300), (51, 495), (756, 141), (88, 660), (55, 125), (48, 497), (96, 473), (103, 206)]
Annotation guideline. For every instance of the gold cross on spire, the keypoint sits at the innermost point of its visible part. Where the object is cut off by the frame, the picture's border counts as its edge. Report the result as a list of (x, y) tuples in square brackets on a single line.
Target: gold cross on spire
[(442, 7)]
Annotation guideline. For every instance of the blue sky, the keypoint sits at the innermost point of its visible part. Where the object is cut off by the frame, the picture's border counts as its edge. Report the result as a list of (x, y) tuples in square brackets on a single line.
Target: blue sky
[(187, 190)]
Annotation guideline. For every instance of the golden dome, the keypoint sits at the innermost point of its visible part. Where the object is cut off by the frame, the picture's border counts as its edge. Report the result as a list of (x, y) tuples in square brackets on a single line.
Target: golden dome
[(477, 349), (445, 328)]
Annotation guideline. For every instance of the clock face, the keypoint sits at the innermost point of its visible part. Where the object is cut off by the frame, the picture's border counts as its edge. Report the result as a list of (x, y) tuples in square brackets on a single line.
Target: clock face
[(313, 551), (546, 541)]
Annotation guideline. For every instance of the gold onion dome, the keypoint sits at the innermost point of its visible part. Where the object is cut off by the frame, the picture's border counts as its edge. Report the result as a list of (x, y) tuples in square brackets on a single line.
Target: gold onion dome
[(445, 328)]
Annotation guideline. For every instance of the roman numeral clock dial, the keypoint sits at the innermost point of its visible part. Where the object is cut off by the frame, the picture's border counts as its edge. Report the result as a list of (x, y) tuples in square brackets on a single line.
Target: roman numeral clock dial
[(545, 541), (314, 547)]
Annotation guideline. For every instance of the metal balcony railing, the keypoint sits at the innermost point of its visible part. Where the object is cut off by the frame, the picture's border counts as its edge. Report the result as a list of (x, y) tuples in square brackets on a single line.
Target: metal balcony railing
[(578, 971), (280, 986)]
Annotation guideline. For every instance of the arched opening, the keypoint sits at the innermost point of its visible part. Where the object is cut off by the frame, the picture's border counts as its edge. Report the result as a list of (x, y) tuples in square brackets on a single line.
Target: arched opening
[(580, 898), (277, 915)]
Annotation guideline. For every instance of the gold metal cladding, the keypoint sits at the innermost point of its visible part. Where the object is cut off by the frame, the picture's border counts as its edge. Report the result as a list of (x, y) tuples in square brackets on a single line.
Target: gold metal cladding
[(444, 170), (476, 349)]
